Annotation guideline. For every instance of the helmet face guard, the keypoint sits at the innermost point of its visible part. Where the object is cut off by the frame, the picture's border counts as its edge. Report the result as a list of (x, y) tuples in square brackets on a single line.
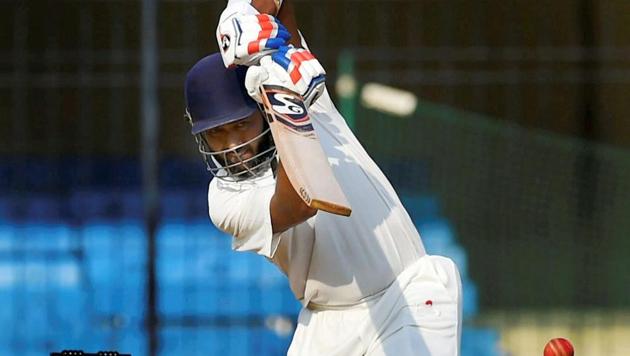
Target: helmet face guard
[(238, 168)]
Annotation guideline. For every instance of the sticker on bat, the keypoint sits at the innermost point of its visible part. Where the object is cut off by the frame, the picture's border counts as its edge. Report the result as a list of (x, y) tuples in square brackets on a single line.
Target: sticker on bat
[(289, 108), (305, 196), (288, 105)]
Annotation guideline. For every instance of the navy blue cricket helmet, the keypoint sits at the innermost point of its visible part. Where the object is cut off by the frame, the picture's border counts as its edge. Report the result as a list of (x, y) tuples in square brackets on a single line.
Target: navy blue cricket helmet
[(216, 96)]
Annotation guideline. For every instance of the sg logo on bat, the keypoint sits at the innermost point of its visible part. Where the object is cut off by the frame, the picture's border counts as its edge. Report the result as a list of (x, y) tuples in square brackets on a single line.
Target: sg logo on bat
[(289, 109)]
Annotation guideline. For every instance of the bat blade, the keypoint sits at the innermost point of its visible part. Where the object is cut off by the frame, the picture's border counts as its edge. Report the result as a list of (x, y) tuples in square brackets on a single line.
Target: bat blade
[(301, 152)]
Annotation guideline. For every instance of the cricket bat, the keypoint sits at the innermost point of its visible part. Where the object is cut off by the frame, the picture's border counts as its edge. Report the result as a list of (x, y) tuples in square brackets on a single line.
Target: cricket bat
[(300, 151)]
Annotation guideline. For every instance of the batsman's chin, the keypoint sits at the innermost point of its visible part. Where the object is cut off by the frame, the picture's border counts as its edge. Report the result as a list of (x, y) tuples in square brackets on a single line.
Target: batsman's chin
[(236, 159), (244, 170)]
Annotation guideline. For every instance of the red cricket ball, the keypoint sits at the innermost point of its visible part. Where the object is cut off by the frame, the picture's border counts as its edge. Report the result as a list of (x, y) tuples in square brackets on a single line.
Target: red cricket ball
[(558, 347)]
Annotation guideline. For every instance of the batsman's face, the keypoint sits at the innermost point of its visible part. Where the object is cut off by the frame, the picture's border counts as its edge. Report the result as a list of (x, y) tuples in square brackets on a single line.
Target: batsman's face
[(237, 137)]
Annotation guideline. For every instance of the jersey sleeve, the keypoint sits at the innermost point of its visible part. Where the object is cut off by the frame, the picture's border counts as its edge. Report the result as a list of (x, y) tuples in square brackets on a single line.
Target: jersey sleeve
[(246, 216)]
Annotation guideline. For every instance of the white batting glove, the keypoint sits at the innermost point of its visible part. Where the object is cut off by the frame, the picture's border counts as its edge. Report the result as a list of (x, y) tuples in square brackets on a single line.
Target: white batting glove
[(304, 70), (272, 73), (256, 76), (244, 35)]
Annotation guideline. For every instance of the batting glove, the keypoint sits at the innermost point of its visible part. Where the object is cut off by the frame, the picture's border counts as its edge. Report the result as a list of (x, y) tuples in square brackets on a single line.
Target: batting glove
[(270, 72), (304, 70), (244, 36)]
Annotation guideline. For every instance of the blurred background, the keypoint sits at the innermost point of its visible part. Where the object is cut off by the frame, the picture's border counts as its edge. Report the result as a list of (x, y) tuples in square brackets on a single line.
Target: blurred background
[(503, 125)]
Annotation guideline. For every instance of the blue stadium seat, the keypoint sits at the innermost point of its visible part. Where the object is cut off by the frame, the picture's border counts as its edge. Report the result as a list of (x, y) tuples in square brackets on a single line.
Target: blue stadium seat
[(188, 267), (172, 271), (91, 205), (199, 203), (268, 342), (31, 322), (184, 204), (228, 301), (170, 235), (183, 341), (133, 341), (101, 173), (45, 209), (132, 205), (98, 240), (171, 301), (234, 300), (455, 252), (435, 246), (275, 301), (9, 302), (73, 311), (175, 205), (436, 230), (123, 243), (64, 274), (471, 298), (131, 237), (134, 302), (115, 289), (68, 308), (270, 275), (39, 276), (45, 237), (192, 269), (211, 341), (421, 208), (241, 267), (239, 341), (204, 229), (211, 268), (7, 237), (101, 272), (177, 173), (29, 346), (105, 299), (181, 238), (172, 342), (290, 306), (233, 341), (480, 341)]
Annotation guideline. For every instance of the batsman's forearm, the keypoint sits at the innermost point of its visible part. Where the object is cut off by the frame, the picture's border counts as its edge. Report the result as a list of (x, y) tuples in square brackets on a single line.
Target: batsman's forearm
[(265, 7), (286, 16), (287, 209)]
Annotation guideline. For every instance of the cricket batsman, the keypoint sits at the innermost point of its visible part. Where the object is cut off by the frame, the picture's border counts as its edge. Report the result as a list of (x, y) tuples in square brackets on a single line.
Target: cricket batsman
[(365, 282)]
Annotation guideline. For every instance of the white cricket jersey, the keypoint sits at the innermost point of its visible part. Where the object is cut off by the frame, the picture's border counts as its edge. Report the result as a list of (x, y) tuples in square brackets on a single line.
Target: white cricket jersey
[(330, 260)]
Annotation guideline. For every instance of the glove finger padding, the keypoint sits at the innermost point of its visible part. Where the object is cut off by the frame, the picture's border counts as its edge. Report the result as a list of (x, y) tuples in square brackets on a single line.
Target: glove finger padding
[(305, 72), (307, 77), (255, 77), (261, 27), (245, 36)]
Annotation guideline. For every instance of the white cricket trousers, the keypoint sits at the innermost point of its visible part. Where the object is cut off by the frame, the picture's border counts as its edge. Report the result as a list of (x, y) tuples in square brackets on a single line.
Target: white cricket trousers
[(419, 314)]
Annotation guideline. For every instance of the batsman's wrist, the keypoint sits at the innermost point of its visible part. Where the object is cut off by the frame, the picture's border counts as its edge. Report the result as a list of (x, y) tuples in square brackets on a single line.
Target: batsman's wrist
[(270, 7)]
